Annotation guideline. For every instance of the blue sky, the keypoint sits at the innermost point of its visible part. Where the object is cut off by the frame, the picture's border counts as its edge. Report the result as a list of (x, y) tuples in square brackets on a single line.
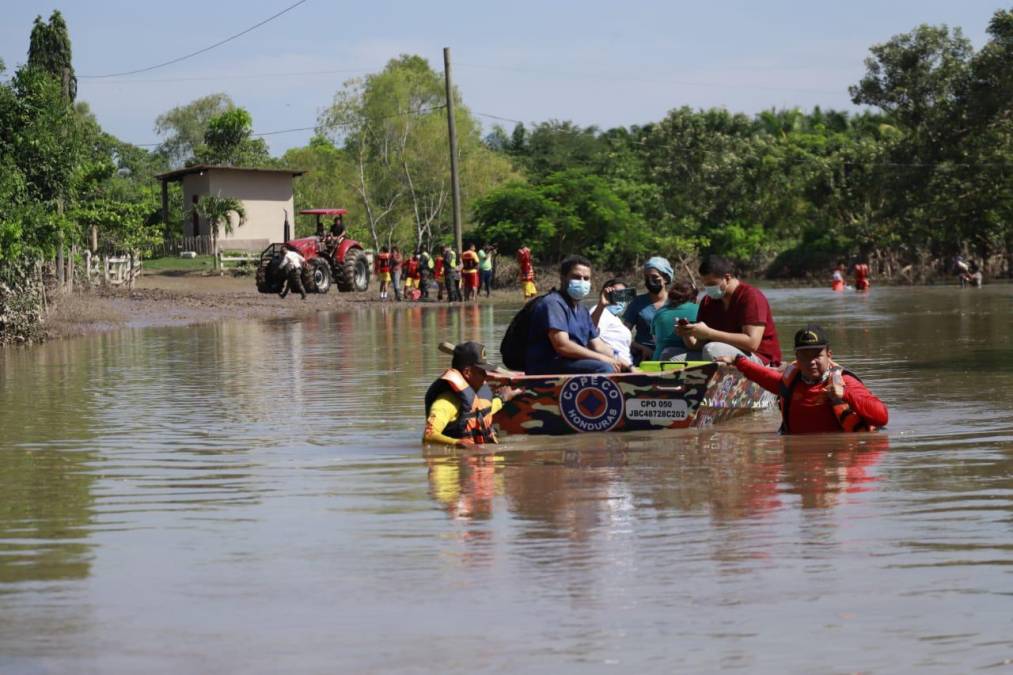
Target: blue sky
[(593, 62)]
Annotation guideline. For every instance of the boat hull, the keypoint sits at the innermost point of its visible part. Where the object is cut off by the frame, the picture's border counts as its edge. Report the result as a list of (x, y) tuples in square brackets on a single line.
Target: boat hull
[(699, 395)]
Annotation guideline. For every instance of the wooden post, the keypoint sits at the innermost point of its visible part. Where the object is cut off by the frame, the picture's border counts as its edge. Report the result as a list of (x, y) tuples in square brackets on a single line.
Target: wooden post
[(87, 267), (105, 270), (94, 237), (70, 268), (133, 263), (452, 130)]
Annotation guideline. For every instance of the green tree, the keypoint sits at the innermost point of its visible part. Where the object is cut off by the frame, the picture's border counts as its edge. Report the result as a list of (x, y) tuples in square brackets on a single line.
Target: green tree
[(49, 52), (218, 212), (228, 141), (184, 127)]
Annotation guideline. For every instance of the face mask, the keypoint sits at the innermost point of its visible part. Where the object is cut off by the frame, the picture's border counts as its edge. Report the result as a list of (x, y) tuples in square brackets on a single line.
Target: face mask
[(653, 285), (617, 308), (578, 289), (713, 292)]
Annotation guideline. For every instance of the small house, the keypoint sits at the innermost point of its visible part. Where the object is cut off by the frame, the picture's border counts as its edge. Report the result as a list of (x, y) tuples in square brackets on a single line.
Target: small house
[(266, 195)]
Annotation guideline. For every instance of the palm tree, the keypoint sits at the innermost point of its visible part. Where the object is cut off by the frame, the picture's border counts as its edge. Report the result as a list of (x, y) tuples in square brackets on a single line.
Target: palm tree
[(217, 210)]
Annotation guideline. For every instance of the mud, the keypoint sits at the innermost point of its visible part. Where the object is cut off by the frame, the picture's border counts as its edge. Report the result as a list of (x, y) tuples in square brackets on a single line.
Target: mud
[(175, 300)]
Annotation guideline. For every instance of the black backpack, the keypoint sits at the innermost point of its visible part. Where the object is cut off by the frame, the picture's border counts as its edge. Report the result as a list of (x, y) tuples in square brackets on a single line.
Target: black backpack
[(515, 340)]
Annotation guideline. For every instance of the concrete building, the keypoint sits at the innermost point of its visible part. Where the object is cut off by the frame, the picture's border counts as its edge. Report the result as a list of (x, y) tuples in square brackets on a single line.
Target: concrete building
[(266, 195)]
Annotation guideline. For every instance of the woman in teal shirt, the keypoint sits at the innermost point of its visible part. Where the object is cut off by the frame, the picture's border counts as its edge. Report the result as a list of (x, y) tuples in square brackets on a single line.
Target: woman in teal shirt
[(681, 305)]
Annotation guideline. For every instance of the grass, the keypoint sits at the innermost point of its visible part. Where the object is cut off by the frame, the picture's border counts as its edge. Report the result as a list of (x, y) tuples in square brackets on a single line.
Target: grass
[(202, 263)]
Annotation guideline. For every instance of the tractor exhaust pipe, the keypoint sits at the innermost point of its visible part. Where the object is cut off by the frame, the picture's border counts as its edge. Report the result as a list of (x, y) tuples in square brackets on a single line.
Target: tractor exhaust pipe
[(288, 228)]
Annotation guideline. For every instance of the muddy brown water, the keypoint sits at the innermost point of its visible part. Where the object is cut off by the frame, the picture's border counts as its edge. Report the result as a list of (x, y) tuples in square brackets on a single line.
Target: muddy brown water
[(253, 497)]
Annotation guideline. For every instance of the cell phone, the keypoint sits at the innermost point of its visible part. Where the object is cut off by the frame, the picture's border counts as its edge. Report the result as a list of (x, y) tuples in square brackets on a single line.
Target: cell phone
[(621, 295)]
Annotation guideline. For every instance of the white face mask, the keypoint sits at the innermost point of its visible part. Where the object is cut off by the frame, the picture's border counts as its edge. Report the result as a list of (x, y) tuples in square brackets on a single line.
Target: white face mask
[(714, 292)]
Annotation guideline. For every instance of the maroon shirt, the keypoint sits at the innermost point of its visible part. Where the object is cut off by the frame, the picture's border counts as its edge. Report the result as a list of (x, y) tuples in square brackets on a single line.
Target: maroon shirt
[(748, 307)]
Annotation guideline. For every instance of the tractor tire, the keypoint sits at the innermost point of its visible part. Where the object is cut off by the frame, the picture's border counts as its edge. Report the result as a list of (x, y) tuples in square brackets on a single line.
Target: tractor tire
[(353, 274), (267, 278), (319, 273)]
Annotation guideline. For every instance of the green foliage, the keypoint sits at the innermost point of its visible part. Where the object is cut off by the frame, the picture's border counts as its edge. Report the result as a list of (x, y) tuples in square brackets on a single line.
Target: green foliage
[(228, 141), (218, 212), (49, 52), (185, 126)]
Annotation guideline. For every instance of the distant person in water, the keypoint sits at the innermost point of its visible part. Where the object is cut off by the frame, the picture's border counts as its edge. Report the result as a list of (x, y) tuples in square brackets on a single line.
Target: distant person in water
[(837, 278), (817, 395), (862, 277)]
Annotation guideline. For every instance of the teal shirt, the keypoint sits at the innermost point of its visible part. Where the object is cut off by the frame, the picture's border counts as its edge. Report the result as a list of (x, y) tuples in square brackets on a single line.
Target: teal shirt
[(663, 326)]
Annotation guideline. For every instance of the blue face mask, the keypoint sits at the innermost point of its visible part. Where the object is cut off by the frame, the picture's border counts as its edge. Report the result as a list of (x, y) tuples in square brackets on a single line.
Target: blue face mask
[(578, 289), (617, 308), (713, 292)]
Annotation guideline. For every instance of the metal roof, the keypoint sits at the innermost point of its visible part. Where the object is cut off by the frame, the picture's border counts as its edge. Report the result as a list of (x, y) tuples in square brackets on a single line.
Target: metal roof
[(201, 168)]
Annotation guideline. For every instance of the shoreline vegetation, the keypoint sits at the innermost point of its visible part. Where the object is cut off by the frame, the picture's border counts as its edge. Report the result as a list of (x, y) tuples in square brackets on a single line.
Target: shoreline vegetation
[(920, 175)]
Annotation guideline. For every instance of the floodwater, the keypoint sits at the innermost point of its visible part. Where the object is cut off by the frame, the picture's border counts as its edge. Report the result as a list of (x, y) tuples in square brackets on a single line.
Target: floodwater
[(253, 497)]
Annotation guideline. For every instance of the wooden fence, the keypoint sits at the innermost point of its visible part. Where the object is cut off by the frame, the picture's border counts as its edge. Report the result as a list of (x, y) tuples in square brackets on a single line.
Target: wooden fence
[(202, 245)]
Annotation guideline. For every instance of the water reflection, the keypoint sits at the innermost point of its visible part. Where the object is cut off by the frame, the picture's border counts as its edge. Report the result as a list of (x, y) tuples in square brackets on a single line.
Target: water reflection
[(577, 491)]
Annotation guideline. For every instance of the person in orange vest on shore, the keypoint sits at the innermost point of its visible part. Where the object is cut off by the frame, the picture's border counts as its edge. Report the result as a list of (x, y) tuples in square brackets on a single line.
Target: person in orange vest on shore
[(817, 395), (837, 279), (469, 272), (459, 405), (527, 273), (382, 268), (411, 277), (438, 266), (861, 277)]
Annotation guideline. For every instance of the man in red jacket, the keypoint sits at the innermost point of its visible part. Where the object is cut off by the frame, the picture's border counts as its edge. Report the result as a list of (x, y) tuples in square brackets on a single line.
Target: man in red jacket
[(817, 395)]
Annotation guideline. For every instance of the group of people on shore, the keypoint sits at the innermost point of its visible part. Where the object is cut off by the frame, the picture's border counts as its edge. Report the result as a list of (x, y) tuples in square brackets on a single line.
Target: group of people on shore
[(731, 324), (461, 277)]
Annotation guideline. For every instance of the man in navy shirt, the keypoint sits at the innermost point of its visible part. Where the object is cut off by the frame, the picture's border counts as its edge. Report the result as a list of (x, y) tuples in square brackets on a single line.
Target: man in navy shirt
[(561, 336)]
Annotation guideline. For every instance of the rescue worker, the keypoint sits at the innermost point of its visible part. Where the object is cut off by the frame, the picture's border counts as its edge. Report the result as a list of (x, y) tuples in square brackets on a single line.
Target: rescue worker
[(486, 269), (527, 273), (817, 395), (469, 273), (452, 274), (837, 278), (438, 275), (411, 277), (395, 271), (425, 272), (861, 277), (291, 266), (382, 269), (459, 405)]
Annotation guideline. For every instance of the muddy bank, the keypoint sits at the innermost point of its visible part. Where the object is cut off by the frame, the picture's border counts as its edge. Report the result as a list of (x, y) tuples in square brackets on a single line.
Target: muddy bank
[(178, 300)]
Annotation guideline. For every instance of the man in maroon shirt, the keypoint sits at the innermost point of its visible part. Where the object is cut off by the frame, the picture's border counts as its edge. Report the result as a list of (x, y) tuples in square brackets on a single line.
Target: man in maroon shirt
[(817, 395), (734, 319)]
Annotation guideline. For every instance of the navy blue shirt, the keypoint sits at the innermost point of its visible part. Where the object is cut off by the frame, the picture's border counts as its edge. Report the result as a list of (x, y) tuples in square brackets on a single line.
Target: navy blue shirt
[(553, 312)]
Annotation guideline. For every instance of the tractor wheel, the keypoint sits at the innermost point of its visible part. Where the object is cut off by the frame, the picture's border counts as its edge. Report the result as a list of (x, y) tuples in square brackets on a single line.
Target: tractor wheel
[(353, 274), (267, 278), (320, 273)]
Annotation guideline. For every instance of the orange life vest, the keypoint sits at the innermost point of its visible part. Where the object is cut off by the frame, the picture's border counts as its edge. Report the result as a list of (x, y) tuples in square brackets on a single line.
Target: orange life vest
[(524, 261), (475, 418), (846, 417), (469, 261), (382, 263), (438, 267), (411, 267)]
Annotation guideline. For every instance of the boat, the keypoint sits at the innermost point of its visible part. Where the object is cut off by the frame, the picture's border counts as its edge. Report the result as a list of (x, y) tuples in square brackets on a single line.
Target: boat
[(663, 395)]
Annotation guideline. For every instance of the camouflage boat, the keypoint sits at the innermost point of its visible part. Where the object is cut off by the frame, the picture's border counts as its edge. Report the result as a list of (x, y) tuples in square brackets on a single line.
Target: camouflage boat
[(663, 396)]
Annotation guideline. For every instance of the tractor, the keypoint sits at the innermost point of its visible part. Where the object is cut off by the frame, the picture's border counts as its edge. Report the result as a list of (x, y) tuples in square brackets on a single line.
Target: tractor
[(331, 257)]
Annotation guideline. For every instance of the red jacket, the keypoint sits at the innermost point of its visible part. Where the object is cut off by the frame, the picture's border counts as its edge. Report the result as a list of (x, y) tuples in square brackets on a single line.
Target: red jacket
[(810, 412)]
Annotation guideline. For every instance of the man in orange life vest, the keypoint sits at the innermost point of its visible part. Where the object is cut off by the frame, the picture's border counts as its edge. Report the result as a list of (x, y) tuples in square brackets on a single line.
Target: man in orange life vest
[(459, 405), (817, 395)]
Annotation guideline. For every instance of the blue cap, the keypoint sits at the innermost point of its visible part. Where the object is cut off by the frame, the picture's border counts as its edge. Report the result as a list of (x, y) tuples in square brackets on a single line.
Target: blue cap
[(660, 264)]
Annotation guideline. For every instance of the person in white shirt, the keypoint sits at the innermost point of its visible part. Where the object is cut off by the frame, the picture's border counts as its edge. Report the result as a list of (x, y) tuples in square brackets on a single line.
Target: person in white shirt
[(291, 266), (611, 328)]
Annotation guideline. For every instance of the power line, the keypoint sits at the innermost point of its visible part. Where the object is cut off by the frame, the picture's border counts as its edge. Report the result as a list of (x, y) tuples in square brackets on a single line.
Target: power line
[(214, 78), (199, 51), (496, 117)]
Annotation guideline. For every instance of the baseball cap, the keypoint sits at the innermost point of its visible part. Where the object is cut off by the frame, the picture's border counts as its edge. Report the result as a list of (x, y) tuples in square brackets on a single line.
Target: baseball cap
[(470, 354), (811, 337)]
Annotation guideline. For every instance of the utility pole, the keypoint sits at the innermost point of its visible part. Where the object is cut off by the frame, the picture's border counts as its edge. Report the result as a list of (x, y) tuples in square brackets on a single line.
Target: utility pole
[(452, 128)]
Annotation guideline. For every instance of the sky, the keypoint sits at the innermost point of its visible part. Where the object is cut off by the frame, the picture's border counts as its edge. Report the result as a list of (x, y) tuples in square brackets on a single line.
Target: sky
[(594, 62)]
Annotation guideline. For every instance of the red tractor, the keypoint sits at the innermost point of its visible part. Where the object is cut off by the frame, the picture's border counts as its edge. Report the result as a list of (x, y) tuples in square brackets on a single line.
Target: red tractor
[(329, 257)]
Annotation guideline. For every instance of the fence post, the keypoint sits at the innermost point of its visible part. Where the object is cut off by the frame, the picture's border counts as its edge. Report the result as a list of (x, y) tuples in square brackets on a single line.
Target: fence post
[(59, 266), (133, 259), (105, 270), (70, 268), (87, 267)]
